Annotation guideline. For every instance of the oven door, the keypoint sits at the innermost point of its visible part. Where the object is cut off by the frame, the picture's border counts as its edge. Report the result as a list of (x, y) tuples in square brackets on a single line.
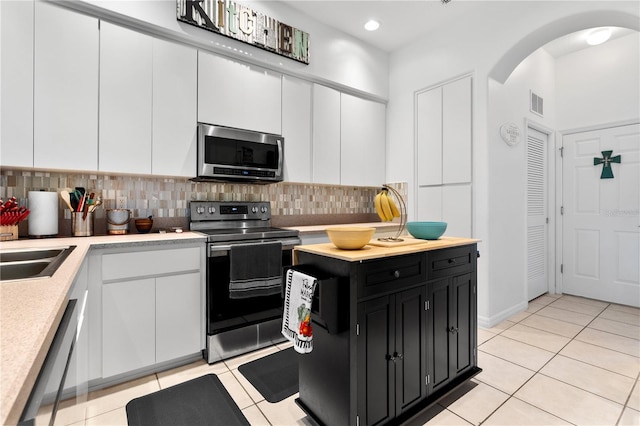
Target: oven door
[(226, 313)]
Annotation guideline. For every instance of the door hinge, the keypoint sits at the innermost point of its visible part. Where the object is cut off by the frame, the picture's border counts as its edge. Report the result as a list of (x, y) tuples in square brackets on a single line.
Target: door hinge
[(561, 210), (426, 380), (426, 305), (562, 151), (562, 268), (357, 329)]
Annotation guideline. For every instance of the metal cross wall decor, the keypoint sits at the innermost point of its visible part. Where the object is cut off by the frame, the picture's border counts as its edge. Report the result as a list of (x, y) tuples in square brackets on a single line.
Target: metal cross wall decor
[(606, 160)]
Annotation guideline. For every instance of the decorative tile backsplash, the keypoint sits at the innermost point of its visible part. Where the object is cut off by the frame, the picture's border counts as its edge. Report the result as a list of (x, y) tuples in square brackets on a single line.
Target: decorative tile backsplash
[(169, 197)]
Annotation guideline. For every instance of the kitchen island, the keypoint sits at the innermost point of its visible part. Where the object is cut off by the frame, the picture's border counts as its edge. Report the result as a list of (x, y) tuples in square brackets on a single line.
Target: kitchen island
[(394, 328)]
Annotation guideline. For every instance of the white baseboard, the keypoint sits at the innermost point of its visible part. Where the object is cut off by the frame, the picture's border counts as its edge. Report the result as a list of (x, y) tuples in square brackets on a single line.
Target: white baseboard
[(488, 322)]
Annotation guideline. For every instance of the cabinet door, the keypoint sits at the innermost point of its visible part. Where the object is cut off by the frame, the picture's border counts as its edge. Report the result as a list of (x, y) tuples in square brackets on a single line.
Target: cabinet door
[(439, 351), (362, 141), (125, 100), (429, 137), (326, 135), (128, 326), (296, 129), (376, 399), (179, 321), (456, 131), (16, 83), (65, 89), (410, 347), (464, 323), (238, 95), (175, 70)]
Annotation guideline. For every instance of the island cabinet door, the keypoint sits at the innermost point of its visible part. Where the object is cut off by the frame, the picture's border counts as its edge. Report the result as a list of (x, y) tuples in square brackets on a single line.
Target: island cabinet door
[(391, 361)]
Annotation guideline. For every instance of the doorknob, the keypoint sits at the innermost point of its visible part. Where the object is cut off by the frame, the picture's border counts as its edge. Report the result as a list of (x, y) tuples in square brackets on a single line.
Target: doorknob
[(453, 329)]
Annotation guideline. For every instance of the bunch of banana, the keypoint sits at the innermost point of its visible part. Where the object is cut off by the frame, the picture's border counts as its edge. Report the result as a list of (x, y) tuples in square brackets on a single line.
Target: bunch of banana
[(385, 207)]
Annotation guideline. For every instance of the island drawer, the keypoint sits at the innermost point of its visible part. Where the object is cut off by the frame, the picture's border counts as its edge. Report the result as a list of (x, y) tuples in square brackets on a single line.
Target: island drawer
[(391, 274), (452, 261)]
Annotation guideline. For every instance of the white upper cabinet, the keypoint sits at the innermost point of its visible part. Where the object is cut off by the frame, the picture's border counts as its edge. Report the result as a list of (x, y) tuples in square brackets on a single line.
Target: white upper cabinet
[(238, 95), (444, 134), (16, 83), (326, 135), (175, 94), (456, 131), (429, 158), (65, 89), (296, 129), (362, 141), (126, 65)]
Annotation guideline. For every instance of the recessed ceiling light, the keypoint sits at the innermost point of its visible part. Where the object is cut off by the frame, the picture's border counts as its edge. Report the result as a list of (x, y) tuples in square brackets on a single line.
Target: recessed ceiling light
[(598, 36), (372, 25)]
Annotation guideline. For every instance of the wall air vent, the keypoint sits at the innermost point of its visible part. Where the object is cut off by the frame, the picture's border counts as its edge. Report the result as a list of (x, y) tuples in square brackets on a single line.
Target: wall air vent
[(536, 103)]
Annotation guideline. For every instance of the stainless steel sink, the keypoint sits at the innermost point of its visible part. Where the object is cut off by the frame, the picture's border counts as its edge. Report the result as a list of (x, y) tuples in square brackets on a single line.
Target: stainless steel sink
[(31, 263)]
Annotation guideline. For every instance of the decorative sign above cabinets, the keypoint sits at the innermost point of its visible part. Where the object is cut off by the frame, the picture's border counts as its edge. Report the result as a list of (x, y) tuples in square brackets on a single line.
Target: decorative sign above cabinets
[(243, 23)]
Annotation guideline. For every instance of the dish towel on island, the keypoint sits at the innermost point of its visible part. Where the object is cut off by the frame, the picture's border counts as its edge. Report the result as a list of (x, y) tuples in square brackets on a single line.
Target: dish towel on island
[(296, 320)]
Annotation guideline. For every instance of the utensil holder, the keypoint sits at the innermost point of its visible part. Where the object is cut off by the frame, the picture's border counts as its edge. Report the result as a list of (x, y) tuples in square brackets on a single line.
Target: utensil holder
[(8, 232), (81, 226)]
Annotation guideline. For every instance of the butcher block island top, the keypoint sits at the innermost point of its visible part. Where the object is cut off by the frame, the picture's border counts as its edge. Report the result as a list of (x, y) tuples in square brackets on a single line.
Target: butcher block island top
[(380, 249)]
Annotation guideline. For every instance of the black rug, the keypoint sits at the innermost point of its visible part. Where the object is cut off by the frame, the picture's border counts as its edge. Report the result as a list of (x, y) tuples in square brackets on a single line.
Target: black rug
[(275, 376), (201, 401)]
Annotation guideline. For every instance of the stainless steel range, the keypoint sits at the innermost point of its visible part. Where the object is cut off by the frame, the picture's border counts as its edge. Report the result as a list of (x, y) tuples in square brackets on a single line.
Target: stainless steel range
[(245, 260)]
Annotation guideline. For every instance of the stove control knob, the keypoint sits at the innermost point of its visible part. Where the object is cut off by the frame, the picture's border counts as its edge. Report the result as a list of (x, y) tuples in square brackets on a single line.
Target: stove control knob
[(212, 210), (263, 209), (200, 210), (254, 210)]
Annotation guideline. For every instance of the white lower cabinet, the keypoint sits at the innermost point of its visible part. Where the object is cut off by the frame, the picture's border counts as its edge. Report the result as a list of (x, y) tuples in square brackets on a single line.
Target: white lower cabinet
[(152, 308)]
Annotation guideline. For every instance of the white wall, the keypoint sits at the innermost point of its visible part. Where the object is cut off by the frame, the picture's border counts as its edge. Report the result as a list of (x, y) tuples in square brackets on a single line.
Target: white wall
[(335, 57), (599, 85), (477, 45)]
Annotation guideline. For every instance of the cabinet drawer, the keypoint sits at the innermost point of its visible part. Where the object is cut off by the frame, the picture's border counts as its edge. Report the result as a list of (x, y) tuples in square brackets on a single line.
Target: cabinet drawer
[(448, 262), (391, 274), (149, 263)]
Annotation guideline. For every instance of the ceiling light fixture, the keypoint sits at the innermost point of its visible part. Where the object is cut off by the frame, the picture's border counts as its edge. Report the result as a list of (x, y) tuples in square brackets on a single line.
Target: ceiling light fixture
[(372, 25), (598, 36)]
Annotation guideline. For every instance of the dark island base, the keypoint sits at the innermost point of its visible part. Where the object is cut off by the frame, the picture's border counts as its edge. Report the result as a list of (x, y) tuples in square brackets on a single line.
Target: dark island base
[(426, 404)]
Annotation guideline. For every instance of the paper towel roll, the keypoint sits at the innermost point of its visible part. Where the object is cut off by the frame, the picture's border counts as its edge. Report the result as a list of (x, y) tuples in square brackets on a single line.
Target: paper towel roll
[(43, 219)]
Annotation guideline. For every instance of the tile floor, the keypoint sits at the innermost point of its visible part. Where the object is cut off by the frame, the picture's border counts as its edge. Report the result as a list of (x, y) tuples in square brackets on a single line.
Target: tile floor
[(565, 360)]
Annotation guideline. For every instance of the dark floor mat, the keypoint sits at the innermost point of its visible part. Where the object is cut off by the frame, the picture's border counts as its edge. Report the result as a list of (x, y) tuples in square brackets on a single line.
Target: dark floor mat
[(275, 376), (201, 401)]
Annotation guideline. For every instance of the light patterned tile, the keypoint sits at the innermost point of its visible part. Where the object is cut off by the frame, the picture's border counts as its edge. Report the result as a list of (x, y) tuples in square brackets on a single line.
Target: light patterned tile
[(519, 353), (564, 315), (634, 399), (190, 371), (598, 356), (111, 398), (235, 362), (621, 316), (516, 412), (534, 307), (630, 417), (117, 417), (255, 417), (285, 412), (568, 402), (624, 308), (552, 325), (604, 383), (536, 337), (519, 316), (502, 375), (235, 389), (447, 418), (255, 395), (584, 300), (611, 341), (477, 404), (581, 308), (615, 327), (484, 335), (545, 299), (500, 327)]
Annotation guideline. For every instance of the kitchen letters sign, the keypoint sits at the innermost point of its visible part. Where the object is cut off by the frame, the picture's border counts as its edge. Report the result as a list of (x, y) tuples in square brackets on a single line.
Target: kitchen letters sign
[(245, 24)]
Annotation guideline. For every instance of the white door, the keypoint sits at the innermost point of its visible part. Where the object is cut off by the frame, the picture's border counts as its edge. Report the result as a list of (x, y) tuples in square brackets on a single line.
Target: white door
[(601, 234), (537, 213)]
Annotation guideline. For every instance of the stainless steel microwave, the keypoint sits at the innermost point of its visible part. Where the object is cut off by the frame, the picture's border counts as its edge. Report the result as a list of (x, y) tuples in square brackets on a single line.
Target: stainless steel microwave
[(228, 154)]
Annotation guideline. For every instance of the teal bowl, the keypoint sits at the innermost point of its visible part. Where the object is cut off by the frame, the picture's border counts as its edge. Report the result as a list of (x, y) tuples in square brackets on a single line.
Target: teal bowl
[(427, 230)]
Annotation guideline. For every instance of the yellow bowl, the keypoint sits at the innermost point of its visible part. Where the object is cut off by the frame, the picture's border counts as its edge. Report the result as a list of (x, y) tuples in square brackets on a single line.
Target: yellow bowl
[(350, 237)]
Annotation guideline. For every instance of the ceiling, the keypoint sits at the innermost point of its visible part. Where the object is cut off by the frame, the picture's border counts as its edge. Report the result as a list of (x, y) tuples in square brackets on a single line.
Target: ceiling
[(404, 20)]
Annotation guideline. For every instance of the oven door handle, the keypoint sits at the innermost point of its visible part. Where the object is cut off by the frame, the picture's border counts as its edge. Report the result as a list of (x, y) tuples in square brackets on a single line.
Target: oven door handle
[(223, 249)]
